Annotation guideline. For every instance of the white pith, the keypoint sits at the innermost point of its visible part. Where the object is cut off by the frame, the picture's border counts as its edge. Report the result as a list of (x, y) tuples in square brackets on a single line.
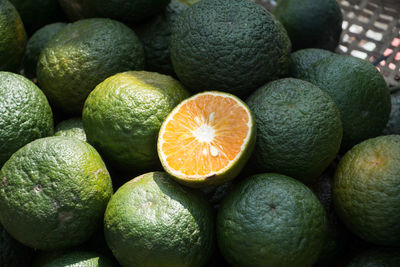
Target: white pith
[(204, 134)]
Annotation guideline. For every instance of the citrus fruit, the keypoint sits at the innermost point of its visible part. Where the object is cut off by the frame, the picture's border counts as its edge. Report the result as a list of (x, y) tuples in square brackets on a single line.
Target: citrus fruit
[(36, 44), (82, 55), (207, 139), (36, 14), (25, 114), (360, 93), (53, 193), (228, 45), (80, 259), (310, 23), (12, 252), (155, 35), (13, 37), (123, 115), (393, 125), (366, 190), (337, 235), (302, 59), (72, 127), (154, 221), (271, 220), (298, 128)]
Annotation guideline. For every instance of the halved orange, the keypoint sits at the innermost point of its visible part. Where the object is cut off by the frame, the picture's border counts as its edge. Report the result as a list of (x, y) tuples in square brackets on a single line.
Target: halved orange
[(206, 139)]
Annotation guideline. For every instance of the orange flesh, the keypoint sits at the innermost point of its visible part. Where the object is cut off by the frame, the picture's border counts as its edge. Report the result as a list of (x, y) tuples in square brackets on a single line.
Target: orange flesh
[(226, 124)]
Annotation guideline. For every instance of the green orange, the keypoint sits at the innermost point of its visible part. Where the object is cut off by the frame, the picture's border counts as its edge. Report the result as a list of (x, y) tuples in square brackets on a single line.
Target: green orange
[(232, 46), (366, 190), (155, 35), (53, 193), (271, 220), (360, 93), (35, 45), (25, 114), (122, 117), (82, 55), (302, 59), (299, 130), (154, 221)]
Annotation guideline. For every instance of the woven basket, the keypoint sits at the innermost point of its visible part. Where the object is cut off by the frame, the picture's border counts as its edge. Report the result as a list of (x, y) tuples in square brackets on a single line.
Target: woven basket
[(371, 31)]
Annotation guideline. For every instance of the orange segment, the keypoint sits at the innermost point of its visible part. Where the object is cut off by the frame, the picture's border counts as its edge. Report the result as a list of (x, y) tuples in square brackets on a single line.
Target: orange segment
[(204, 135)]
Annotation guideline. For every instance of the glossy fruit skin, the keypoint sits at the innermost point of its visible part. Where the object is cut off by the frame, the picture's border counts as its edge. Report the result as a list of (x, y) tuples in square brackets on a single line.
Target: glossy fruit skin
[(36, 44), (72, 127), (155, 35), (13, 37), (311, 23), (299, 130), (302, 59), (25, 114), (53, 193), (360, 93), (12, 252), (271, 220), (164, 223), (366, 190), (232, 46), (123, 115), (38, 13), (80, 259), (81, 56)]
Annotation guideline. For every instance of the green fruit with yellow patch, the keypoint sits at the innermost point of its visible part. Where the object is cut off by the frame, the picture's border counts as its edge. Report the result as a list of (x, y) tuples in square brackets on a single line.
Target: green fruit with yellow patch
[(123, 115), (82, 55), (366, 190), (154, 221), (53, 193)]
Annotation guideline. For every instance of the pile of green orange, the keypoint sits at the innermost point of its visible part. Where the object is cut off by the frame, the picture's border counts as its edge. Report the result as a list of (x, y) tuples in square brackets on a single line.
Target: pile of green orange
[(192, 133)]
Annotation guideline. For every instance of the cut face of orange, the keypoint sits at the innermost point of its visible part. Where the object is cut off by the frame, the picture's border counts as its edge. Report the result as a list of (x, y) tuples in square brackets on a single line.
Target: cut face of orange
[(207, 139)]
